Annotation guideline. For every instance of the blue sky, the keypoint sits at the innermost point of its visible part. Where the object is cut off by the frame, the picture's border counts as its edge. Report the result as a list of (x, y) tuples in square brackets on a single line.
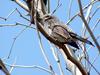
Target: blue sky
[(26, 50)]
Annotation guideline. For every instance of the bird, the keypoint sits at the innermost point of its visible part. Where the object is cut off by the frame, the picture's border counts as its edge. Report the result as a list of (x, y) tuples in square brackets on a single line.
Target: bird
[(62, 33)]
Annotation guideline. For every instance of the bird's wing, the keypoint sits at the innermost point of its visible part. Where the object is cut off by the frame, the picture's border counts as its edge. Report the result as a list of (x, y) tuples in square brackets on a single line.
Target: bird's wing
[(61, 31), (63, 36)]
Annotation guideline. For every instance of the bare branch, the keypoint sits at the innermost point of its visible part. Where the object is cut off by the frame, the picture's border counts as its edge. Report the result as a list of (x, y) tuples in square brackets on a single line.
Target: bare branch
[(58, 5), (15, 41), (77, 14), (40, 42), (17, 24), (70, 6), (93, 67), (12, 67), (88, 28), (3, 68), (87, 16), (32, 66), (48, 6), (22, 5), (56, 56), (96, 24), (94, 13)]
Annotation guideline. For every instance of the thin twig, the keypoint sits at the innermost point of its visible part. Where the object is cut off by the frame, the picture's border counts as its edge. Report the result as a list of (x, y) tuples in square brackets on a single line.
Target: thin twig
[(90, 17), (22, 5), (56, 56), (69, 10), (94, 13), (28, 26), (88, 12), (12, 67), (40, 42), (72, 19), (48, 6), (94, 61), (32, 66), (15, 41), (22, 15), (10, 13), (2, 18), (8, 25), (93, 67), (87, 16), (96, 24), (58, 5), (59, 65), (77, 14), (17, 24)]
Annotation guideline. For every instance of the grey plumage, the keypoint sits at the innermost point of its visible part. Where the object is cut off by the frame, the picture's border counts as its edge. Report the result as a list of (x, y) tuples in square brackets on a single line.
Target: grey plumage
[(61, 32)]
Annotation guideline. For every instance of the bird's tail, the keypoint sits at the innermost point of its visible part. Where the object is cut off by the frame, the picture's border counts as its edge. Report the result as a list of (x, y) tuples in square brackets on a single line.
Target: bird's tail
[(81, 39), (84, 40)]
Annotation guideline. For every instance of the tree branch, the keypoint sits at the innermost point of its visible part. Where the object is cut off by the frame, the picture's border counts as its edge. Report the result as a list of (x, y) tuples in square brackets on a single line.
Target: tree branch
[(87, 27), (22, 5)]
